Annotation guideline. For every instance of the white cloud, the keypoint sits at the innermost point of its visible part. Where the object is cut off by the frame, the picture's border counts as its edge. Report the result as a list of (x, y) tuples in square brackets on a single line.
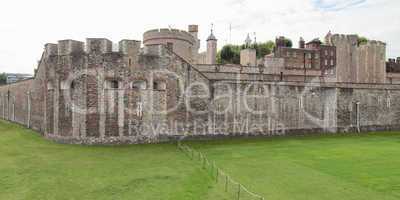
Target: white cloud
[(335, 5), (25, 26)]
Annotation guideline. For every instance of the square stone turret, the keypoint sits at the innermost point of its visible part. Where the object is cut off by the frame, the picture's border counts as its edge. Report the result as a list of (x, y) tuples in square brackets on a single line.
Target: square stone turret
[(98, 45), (129, 47), (248, 57), (51, 49), (66, 47), (130, 51)]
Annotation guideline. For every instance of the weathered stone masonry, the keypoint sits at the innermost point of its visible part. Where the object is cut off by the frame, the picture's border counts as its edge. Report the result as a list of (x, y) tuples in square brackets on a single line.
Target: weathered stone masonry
[(87, 93)]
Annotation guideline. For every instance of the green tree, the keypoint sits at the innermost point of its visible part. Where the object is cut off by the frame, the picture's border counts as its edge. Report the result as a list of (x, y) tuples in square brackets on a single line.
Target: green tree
[(219, 59), (230, 54), (264, 48), (362, 40), (3, 79), (288, 42)]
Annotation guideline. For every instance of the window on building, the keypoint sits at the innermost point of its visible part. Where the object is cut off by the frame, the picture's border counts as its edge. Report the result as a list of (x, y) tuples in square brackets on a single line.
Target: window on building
[(73, 85), (113, 84), (332, 53), (288, 54), (130, 62), (326, 62), (295, 54), (141, 85), (159, 85), (309, 55), (316, 56), (170, 46), (50, 86), (326, 52), (155, 85), (139, 109), (332, 62)]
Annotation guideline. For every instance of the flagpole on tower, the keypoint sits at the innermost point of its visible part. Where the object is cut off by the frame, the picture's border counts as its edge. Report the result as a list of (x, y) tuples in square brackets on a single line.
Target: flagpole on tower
[(230, 33)]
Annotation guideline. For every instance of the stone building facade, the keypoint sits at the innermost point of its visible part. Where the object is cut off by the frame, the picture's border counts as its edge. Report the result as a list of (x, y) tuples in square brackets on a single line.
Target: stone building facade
[(393, 65), (87, 93)]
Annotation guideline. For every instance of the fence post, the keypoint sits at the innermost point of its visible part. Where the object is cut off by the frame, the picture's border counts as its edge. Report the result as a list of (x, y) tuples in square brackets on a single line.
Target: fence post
[(226, 183), (212, 169), (13, 109), (238, 197), (216, 179), (199, 156), (29, 110)]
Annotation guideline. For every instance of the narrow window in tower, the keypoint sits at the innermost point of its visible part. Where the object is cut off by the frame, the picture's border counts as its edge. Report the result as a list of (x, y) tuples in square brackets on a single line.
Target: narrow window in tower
[(130, 62), (73, 85), (72, 89), (114, 84), (155, 86), (170, 46), (139, 109)]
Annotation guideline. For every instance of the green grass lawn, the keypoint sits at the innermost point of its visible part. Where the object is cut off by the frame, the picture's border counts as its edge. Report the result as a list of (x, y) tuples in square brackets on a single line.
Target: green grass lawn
[(355, 167), (293, 168), (33, 168)]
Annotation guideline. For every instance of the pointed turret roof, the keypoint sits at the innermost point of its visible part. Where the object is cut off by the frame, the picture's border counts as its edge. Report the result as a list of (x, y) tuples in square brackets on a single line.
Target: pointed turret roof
[(248, 41), (211, 36)]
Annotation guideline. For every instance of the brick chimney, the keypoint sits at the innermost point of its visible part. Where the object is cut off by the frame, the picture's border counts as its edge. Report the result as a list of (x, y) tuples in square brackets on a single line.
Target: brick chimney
[(280, 41), (302, 43)]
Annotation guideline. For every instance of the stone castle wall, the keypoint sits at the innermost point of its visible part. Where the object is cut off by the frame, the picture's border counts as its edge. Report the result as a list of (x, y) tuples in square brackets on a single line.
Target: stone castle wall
[(359, 63), (153, 94), (23, 102)]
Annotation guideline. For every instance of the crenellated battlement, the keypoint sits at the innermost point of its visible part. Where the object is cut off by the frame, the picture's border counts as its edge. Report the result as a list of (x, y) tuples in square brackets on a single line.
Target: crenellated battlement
[(92, 46), (342, 38), (51, 49), (165, 33), (68, 46), (374, 43), (98, 45), (353, 39), (129, 47)]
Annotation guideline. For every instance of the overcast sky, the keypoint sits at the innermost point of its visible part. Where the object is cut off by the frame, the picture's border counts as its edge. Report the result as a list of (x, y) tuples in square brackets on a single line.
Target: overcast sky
[(25, 26)]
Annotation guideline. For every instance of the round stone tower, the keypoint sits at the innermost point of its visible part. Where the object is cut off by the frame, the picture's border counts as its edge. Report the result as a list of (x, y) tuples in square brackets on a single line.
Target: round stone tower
[(211, 57), (181, 42)]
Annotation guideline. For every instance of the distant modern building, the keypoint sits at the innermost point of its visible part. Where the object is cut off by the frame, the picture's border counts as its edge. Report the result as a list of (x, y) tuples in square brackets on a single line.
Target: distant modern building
[(13, 78)]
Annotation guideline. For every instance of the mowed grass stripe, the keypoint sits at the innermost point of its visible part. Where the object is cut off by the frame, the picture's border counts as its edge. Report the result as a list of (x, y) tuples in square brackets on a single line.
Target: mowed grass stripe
[(35, 168), (315, 167)]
